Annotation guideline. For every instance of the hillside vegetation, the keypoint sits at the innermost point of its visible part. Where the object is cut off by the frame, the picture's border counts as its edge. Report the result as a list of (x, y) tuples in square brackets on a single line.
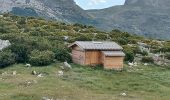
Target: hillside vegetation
[(40, 42)]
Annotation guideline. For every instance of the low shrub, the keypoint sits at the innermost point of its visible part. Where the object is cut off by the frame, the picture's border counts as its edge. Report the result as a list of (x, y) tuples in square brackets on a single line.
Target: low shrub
[(147, 60), (129, 56), (6, 58), (21, 51), (41, 58), (144, 53), (62, 55), (168, 56)]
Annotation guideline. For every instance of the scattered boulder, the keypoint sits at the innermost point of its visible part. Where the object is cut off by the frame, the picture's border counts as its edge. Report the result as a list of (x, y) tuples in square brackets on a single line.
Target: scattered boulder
[(66, 38), (133, 64), (4, 73), (40, 75), (14, 73), (123, 94), (130, 64), (145, 64), (60, 73), (34, 72), (27, 65), (46, 98), (67, 66), (4, 44)]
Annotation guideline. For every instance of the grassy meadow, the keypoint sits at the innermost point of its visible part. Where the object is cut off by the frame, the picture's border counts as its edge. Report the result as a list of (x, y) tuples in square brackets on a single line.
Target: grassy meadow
[(85, 83)]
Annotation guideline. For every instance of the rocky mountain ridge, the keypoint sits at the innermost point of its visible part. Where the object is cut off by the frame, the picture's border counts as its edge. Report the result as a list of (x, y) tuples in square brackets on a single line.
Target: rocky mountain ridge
[(62, 10), (149, 18), (149, 3)]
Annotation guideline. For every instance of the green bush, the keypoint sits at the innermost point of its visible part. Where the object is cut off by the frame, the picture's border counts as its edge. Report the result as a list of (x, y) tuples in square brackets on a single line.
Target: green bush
[(122, 41), (41, 58), (6, 58), (147, 60), (22, 21), (168, 56), (62, 55), (21, 51), (144, 53), (129, 56), (129, 52)]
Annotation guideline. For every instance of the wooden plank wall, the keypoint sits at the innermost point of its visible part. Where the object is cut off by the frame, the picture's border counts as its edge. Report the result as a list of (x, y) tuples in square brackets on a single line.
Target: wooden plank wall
[(78, 55), (93, 57), (113, 62)]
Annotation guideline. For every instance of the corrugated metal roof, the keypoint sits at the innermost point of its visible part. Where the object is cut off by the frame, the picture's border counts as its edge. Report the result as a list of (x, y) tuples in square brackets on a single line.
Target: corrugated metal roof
[(97, 45), (113, 53)]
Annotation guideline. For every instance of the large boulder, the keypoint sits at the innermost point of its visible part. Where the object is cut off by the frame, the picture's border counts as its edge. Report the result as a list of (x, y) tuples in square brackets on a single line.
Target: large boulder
[(4, 44)]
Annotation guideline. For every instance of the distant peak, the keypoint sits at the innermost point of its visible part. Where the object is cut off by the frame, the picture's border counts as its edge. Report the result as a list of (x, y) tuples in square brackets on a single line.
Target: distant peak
[(153, 3)]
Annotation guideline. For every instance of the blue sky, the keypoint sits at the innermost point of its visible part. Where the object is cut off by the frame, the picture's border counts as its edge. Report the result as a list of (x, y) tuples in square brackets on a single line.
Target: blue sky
[(98, 4)]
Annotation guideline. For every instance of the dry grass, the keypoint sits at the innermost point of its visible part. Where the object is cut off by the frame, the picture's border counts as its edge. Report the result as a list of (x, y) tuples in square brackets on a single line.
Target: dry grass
[(83, 83)]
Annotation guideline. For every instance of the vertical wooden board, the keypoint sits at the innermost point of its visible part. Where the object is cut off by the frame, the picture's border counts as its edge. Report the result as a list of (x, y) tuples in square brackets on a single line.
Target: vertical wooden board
[(87, 58), (92, 57), (78, 56), (113, 62), (102, 57)]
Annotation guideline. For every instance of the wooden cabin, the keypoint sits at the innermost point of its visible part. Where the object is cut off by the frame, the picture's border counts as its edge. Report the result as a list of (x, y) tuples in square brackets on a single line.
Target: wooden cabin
[(108, 54)]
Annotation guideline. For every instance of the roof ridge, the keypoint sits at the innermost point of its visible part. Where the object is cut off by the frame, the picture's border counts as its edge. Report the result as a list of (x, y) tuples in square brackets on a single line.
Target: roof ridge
[(91, 45)]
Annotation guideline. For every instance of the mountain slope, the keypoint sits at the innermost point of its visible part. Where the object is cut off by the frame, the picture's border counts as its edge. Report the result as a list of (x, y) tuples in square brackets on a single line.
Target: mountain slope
[(63, 10), (150, 3), (150, 18)]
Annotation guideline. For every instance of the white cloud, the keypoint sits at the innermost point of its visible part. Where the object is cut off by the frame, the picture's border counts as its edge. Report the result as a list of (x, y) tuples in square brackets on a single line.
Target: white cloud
[(95, 2)]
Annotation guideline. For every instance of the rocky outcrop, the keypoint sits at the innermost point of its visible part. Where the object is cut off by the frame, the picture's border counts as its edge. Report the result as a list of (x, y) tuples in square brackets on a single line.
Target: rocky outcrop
[(62, 10), (4, 44)]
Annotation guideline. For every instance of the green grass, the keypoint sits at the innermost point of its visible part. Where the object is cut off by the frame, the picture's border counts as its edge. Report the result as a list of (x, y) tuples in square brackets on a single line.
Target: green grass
[(85, 83)]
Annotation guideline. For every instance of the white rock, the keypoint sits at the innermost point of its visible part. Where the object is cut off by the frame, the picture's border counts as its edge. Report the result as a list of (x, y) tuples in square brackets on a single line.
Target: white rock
[(28, 65), (66, 37), (40, 75), (123, 94), (60, 73), (29, 82), (34, 72), (5, 73), (67, 66), (46, 98), (146, 64), (14, 73), (130, 64), (4, 44)]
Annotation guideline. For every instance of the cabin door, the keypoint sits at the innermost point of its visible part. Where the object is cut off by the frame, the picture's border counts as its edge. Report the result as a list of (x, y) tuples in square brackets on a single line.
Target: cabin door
[(94, 58)]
